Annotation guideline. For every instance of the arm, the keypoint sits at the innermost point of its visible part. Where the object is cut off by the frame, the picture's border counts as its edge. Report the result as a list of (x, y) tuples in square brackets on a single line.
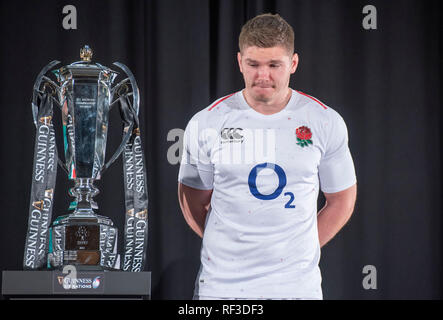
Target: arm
[(194, 204), (336, 212)]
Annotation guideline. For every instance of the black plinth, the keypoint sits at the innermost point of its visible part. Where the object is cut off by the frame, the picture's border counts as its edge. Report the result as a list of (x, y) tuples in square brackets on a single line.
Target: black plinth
[(92, 284)]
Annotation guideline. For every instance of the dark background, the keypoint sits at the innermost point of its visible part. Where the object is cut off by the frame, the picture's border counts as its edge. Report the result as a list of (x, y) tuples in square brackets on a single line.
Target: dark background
[(385, 83)]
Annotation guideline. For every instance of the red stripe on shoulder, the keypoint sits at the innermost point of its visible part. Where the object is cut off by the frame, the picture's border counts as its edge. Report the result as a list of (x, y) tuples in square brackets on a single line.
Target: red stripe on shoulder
[(307, 95), (220, 100)]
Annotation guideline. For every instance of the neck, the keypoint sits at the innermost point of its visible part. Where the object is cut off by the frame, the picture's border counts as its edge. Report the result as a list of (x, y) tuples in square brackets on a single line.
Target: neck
[(271, 106)]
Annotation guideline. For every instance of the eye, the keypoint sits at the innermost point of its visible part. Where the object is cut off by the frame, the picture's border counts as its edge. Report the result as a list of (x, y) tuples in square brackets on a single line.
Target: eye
[(254, 65), (274, 65)]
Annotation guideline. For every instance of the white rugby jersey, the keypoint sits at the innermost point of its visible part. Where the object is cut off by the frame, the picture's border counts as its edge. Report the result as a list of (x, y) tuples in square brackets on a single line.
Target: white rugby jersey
[(260, 237)]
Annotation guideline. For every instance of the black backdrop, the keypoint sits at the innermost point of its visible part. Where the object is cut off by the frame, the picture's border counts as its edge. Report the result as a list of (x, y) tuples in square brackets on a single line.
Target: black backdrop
[(384, 82)]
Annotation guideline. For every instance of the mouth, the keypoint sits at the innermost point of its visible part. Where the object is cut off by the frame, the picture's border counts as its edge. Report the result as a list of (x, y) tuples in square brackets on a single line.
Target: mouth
[(263, 86)]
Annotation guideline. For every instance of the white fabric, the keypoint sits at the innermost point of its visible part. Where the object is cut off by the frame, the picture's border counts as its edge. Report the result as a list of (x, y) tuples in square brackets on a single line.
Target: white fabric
[(260, 238)]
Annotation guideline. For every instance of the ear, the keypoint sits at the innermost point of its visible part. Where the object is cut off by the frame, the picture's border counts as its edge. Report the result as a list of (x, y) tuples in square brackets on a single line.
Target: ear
[(294, 63), (239, 61)]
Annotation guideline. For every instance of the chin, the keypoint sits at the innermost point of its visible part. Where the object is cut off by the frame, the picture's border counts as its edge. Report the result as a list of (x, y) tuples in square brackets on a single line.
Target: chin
[(262, 97), (263, 94)]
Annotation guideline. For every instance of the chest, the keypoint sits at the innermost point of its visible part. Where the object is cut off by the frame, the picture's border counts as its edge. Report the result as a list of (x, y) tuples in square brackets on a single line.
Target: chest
[(293, 146)]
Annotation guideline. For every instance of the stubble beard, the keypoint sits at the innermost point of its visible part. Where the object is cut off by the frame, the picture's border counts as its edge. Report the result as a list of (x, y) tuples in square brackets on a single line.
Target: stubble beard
[(262, 97)]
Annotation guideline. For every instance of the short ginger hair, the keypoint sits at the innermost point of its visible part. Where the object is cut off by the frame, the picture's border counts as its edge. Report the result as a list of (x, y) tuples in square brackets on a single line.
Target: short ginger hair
[(266, 31)]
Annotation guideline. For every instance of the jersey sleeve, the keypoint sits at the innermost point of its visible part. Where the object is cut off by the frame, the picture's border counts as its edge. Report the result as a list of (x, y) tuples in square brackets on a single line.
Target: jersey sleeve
[(336, 169), (196, 170)]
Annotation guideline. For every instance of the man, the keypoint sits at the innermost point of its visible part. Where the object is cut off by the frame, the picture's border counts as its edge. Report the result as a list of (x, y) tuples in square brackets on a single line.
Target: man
[(253, 164)]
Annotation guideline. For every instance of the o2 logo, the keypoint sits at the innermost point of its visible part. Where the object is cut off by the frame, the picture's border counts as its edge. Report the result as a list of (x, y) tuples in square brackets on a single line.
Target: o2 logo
[(252, 181)]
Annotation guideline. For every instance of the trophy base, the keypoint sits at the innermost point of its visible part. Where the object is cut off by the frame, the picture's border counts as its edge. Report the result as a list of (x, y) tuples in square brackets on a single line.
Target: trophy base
[(93, 284), (83, 240)]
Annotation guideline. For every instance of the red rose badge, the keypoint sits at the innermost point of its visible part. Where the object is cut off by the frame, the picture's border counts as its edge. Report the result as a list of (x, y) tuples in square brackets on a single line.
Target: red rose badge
[(304, 136)]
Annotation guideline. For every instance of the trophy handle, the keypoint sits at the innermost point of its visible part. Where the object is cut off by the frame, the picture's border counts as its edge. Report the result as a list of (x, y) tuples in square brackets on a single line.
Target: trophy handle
[(36, 90), (36, 94), (133, 110), (135, 90)]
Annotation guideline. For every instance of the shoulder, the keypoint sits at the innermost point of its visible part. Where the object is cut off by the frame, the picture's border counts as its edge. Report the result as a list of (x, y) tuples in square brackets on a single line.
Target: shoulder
[(317, 109), (311, 101), (217, 110), (228, 101)]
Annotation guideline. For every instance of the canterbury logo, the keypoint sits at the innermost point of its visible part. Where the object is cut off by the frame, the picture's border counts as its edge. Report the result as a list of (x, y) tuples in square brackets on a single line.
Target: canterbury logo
[(231, 135)]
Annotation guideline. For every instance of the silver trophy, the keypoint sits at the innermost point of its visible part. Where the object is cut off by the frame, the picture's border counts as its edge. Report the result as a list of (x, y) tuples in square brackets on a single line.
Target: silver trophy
[(85, 94)]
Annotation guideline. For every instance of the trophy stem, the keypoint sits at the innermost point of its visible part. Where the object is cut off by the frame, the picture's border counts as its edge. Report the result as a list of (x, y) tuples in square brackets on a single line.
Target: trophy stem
[(84, 191)]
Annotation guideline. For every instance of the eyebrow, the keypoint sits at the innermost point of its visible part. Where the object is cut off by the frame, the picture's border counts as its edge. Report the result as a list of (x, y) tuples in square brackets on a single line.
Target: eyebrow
[(272, 61)]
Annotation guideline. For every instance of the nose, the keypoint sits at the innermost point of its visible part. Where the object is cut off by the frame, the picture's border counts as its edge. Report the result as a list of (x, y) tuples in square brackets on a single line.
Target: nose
[(263, 73)]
